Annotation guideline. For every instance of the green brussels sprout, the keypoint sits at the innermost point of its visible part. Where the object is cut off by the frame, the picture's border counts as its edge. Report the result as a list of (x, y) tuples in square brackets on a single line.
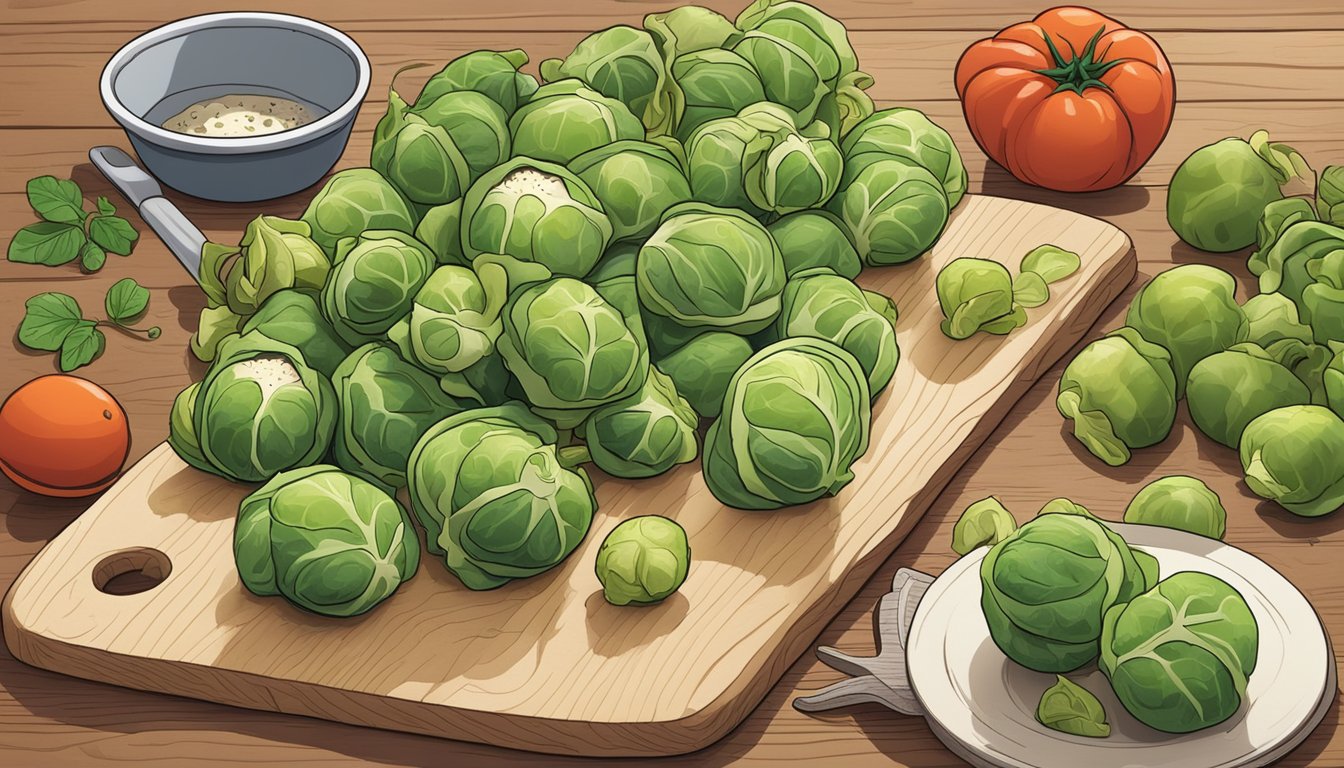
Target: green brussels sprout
[(1271, 317), (795, 418), (1045, 587), (353, 201), (274, 254), (718, 154), (1070, 708), (715, 83), (261, 410), (1330, 195), (1217, 195), (809, 239), (454, 319), (374, 283), (712, 268), (421, 160), (1120, 393), (566, 118), (214, 325), (643, 560), (1295, 456), (820, 304), (644, 435), (909, 134), (477, 125), (386, 404), (535, 211), (977, 295), (1333, 382), (493, 73), (495, 501), (1192, 311), (702, 368), (893, 210), (623, 63), (789, 76), (1277, 217), (636, 183), (182, 428), (1306, 264), (325, 541), (1227, 390), (619, 261), (983, 524), (1148, 568), (1307, 361), (689, 28), (294, 317), (441, 229), (1180, 502), (1178, 656), (803, 55)]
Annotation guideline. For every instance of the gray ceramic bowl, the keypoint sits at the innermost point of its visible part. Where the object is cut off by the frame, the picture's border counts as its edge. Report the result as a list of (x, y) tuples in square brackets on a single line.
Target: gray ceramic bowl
[(166, 70)]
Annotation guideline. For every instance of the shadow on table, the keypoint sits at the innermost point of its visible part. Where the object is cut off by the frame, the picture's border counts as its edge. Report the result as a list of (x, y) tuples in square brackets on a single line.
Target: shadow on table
[(1110, 202)]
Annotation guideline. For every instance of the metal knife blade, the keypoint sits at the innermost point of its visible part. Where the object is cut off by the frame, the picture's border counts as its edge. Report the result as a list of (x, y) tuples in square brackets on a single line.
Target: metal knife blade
[(170, 224)]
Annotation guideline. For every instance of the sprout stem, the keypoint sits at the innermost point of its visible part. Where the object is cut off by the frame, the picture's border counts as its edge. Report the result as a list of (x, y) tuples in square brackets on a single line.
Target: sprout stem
[(572, 456)]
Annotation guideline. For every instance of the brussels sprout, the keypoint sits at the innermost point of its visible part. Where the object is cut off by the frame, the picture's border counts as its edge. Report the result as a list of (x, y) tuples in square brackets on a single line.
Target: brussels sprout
[(1051, 262), (261, 410), (636, 183), (386, 404), (809, 239), (454, 320), (789, 76), (1333, 382), (182, 428), (801, 53), (214, 325), (566, 118), (274, 254), (643, 560), (1190, 310), (1180, 502), (977, 295), (1217, 195), (894, 210), (1070, 708), (494, 499), (421, 160), (909, 134), (795, 418), (718, 154), (715, 83), (324, 540), (535, 211), (1178, 656), (1295, 456), (487, 383), (1046, 585), (353, 201), (708, 267), (822, 305), (493, 73), (688, 29), (477, 125), (441, 229), (1229, 389), (1306, 264), (1271, 317), (983, 524), (293, 317), (1277, 217), (1120, 393), (1308, 363), (1330, 195), (645, 434), (702, 368), (623, 63), (374, 283)]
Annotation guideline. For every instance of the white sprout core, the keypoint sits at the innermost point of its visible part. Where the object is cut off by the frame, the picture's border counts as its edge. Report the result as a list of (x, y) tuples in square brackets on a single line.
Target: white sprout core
[(271, 372), (530, 181)]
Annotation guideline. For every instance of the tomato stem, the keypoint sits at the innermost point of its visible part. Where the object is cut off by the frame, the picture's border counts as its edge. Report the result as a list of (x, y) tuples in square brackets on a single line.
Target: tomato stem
[(1079, 72)]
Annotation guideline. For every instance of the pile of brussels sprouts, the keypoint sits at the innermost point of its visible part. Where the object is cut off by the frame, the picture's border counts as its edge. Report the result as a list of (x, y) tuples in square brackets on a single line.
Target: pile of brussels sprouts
[(531, 278)]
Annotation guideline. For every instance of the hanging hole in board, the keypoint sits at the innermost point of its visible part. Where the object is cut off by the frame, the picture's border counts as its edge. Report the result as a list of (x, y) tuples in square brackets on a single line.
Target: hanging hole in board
[(131, 571)]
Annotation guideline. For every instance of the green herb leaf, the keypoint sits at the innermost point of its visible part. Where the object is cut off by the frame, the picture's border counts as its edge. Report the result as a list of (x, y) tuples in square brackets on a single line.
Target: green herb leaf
[(49, 318), (105, 206), (82, 346), (126, 300), (46, 242), (56, 200), (113, 233), (1051, 262), (91, 257)]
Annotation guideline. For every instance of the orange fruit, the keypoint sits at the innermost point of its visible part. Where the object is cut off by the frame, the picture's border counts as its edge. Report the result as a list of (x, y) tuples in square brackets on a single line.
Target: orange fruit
[(63, 436)]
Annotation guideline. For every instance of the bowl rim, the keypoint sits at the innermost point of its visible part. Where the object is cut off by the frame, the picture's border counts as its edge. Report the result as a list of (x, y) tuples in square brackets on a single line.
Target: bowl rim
[(215, 145)]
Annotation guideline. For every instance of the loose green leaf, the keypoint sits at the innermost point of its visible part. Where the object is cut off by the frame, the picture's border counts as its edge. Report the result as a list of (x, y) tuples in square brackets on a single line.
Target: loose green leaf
[(1030, 290), (113, 233), (105, 206), (1070, 708), (126, 300), (82, 346), (46, 242), (1288, 163), (48, 319), (56, 200), (983, 524), (91, 257), (1051, 262)]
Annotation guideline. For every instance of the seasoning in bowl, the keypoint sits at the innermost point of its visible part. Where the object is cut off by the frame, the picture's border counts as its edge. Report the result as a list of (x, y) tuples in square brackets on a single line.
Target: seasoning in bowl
[(240, 115)]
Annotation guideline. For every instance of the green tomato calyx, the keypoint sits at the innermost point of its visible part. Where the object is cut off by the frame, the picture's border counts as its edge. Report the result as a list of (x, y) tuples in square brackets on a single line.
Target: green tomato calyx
[(1079, 72)]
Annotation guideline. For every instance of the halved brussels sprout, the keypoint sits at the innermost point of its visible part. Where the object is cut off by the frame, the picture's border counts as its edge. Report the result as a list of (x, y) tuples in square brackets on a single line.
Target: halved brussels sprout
[(566, 118), (893, 210), (1227, 390), (1295, 456), (478, 126), (982, 524), (909, 134), (643, 560), (273, 255), (1192, 311), (294, 317), (809, 239), (374, 283), (636, 183), (493, 73), (703, 367), (1180, 502), (352, 201), (623, 63), (644, 435), (977, 295), (715, 83)]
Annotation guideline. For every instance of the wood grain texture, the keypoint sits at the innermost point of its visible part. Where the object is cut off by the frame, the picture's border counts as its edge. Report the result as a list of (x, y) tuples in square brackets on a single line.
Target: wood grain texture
[(546, 664)]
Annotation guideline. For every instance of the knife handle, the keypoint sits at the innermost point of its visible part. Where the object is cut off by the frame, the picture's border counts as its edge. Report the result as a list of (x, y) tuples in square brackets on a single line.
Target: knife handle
[(177, 232)]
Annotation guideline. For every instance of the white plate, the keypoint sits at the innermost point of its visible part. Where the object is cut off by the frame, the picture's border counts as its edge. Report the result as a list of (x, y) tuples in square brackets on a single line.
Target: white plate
[(983, 706)]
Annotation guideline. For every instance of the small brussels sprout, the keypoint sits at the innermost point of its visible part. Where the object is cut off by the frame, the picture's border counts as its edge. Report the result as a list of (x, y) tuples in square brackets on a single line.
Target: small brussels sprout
[(1330, 195), (909, 134), (644, 435), (702, 368), (977, 295), (496, 503), (712, 268), (718, 154), (213, 326), (1333, 381), (1051, 262), (795, 418), (715, 83), (294, 317), (1180, 502), (353, 201), (623, 63), (326, 541), (1192, 311), (689, 28), (643, 560), (809, 239), (493, 73), (983, 524), (636, 183), (1120, 393), (1070, 708), (566, 118), (454, 320), (1271, 317), (274, 254), (535, 211), (803, 54), (1227, 390), (182, 428), (1217, 195), (421, 160), (374, 283), (1306, 264), (477, 125), (1295, 456), (894, 210), (1178, 656)]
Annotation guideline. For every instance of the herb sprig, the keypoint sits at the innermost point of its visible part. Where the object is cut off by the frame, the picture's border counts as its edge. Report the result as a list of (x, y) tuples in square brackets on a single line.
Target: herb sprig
[(53, 322), (67, 231)]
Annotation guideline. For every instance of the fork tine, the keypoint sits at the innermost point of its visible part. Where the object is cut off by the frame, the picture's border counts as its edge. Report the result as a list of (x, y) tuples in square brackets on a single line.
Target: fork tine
[(855, 690), (854, 666)]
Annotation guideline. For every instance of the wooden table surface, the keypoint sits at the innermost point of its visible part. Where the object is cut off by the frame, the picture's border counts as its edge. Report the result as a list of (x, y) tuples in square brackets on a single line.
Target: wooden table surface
[(1240, 65)]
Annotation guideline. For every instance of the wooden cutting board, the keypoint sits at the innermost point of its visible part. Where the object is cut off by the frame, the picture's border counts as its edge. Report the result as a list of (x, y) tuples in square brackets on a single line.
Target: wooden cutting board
[(546, 664)]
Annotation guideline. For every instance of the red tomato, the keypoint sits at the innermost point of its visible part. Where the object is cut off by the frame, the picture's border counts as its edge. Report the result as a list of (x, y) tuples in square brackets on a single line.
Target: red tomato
[(1072, 100)]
